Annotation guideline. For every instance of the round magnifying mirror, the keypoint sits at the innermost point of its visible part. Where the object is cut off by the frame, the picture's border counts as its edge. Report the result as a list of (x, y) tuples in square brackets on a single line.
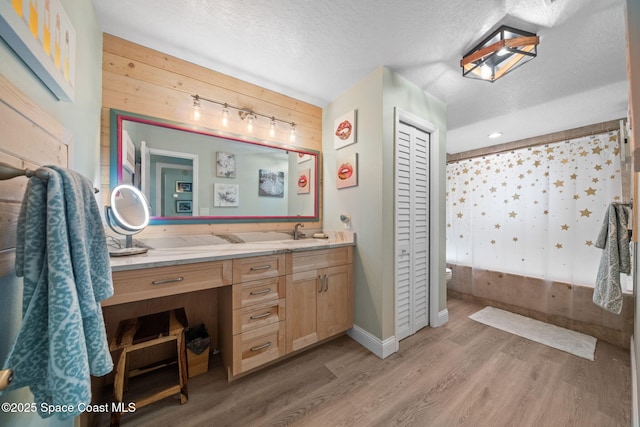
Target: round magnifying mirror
[(127, 215)]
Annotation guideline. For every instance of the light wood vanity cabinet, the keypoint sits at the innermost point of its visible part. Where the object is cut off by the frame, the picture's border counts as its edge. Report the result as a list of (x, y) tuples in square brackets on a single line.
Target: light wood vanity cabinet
[(319, 295), (282, 303), (267, 306), (252, 314), (153, 282)]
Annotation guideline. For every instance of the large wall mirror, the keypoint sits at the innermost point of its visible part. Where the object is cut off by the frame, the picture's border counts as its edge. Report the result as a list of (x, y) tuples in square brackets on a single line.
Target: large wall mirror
[(197, 175)]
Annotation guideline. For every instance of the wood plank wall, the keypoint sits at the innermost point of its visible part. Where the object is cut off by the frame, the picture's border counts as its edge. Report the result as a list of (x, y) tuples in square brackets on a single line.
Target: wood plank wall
[(144, 81), (30, 138)]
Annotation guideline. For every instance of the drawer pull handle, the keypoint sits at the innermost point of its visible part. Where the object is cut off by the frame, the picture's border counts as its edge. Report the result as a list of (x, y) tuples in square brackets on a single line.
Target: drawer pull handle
[(262, 292), (319, 280), (326, 283), (162, 282), (260, 316), (262, 267), (260, 347)]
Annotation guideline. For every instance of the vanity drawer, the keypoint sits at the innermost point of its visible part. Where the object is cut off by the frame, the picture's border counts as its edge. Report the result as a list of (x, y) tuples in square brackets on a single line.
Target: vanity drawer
[(258, 291), (256, 316), (146, 283), (257, 347), (255, 268), (315, 259)]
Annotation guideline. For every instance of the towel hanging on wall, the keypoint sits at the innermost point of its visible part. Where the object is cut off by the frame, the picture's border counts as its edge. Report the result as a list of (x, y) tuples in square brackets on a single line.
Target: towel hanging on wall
[(61, 252), (616, 257)]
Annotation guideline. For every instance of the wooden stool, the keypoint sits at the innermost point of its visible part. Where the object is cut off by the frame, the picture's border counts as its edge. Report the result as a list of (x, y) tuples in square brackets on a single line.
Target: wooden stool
[(145, 332)]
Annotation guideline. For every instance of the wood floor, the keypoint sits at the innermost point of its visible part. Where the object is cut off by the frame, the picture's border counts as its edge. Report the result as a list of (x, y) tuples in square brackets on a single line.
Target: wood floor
[(462, 374)]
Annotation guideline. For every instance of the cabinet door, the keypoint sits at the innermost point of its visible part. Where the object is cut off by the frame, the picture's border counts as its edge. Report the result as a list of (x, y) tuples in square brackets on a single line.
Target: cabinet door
[(335, 301), (302, 292)]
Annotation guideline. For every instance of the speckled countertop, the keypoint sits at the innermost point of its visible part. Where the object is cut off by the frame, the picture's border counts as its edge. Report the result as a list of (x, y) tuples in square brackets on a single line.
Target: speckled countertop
[(173, 250)]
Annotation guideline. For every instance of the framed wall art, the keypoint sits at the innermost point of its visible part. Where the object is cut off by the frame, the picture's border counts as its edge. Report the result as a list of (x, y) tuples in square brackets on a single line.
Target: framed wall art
[(347, 171), (344, 130), (41, 34)]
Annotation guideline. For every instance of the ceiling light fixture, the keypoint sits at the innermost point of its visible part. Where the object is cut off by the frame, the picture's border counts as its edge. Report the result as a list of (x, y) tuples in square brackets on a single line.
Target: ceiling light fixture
[(495, 135), (247, 114), (501, 52)]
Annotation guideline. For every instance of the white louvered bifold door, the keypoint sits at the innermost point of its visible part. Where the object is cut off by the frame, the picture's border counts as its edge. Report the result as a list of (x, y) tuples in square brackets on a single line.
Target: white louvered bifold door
[(411, 230)]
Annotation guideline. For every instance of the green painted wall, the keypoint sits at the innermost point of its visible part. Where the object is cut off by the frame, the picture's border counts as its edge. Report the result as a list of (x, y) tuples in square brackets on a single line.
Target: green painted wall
[(82, 119), (370, 204)]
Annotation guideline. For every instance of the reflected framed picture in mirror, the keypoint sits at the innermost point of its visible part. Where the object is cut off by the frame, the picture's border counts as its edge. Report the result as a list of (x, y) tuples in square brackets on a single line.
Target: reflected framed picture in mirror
[(304, 181), (271, 183), (226, 195), (225, 165), (184, 206), (183, 187), (302, 157)]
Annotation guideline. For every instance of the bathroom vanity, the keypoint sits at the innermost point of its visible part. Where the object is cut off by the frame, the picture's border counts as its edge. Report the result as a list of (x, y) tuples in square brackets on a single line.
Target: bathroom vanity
[(268, 298)]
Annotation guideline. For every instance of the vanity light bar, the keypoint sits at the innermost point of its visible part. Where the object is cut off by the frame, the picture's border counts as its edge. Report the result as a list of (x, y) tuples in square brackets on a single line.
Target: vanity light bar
[(243, 112)]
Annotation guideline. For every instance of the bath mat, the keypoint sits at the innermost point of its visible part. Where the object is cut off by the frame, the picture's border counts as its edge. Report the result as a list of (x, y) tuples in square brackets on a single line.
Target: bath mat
[(576, 343)]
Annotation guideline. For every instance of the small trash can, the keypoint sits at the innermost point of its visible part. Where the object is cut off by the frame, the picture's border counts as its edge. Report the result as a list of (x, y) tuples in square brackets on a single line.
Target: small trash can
[(198, 343)]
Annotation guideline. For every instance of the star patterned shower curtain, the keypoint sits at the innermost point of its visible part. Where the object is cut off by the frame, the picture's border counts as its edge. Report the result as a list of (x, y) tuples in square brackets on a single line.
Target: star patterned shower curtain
[(535, 211)]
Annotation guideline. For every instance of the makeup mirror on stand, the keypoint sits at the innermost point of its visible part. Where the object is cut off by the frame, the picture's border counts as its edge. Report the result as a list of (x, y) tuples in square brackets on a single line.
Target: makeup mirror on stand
[(127, 215)]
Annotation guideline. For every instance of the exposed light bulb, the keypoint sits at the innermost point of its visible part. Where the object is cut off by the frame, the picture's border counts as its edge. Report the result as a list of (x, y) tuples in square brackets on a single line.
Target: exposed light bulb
[(292, 133), (250, 120), (196, 108), (272, 127), (485, 72), (225, 116)]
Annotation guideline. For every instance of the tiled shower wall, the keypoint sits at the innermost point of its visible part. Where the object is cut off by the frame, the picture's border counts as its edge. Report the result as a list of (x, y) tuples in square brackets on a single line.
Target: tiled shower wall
[(561, 304)]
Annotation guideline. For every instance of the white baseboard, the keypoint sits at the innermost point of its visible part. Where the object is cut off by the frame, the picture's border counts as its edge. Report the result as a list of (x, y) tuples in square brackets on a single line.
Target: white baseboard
[(380, 348), (386, 348), (634, 386), (440, 319)]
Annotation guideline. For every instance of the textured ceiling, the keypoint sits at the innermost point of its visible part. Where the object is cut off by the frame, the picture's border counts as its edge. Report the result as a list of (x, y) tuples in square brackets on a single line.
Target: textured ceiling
[(315, 50)]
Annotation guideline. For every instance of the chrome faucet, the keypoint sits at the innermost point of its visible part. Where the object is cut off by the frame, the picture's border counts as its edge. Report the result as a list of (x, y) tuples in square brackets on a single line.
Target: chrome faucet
[(297, 234)]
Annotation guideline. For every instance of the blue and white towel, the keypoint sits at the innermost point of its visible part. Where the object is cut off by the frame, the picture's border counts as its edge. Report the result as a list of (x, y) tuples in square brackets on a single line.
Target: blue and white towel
[(616, 257), (62, 254)]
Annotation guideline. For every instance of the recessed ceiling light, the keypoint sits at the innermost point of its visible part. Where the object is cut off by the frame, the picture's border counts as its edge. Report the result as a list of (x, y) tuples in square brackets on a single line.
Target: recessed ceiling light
[(495, 135)]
